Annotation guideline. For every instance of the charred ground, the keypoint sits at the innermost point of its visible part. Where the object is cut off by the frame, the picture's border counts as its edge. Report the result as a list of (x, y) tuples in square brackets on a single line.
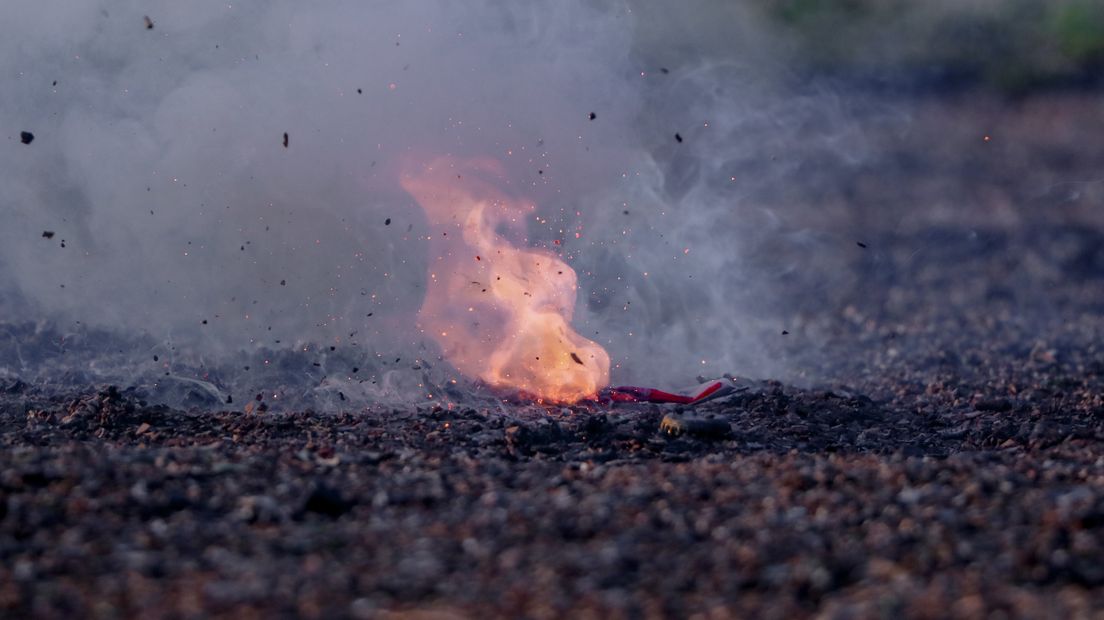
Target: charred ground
[(953, 465)]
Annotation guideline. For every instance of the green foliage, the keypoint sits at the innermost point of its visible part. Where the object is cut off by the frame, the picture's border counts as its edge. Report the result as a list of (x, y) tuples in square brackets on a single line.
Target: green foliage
[(1015, 45), (1078, 27)]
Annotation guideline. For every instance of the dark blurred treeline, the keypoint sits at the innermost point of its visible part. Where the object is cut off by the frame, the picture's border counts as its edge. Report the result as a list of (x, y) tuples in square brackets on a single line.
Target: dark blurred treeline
[(1015, 46)]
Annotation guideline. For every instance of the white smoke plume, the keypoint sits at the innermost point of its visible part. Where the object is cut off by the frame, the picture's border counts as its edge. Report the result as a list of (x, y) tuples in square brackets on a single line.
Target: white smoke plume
[(222, 178)]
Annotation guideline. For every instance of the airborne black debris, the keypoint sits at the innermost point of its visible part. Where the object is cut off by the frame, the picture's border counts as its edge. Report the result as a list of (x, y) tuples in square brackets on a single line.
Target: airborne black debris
[(26, 137), (593, 116), (575, 357), (285, 140), (387, 222), (283, 282), (678, 138), (47, 234), (148, 22), (860, 244), (785, 333)]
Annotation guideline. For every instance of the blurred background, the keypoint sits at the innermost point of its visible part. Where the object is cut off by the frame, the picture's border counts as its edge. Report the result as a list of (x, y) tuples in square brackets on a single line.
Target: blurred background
[(1012, 46)]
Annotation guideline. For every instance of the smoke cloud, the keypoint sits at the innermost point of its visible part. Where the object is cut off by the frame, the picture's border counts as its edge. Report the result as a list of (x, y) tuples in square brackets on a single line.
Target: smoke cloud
[(222, 184)]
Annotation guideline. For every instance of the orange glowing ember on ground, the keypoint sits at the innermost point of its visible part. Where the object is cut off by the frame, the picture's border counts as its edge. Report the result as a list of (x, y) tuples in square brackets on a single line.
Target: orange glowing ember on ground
[(500, 313)]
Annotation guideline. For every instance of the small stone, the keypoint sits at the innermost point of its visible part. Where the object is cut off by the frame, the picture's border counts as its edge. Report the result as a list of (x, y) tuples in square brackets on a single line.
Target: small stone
[(674, 425), (325, 500), (998, 405)]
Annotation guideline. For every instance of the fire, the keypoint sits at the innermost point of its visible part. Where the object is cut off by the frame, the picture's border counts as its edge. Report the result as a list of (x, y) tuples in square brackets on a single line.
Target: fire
[(500, 313)]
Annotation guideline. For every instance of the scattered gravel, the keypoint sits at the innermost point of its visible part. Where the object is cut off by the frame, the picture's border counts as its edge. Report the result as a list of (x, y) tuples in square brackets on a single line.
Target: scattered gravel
[(953, 466)]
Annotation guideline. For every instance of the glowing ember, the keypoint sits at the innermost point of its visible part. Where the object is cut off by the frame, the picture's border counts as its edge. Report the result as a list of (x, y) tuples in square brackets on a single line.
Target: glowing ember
[(500, 313)]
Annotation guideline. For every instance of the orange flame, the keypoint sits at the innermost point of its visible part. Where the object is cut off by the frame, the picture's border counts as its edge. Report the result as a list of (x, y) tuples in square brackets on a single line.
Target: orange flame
[(500, 313)]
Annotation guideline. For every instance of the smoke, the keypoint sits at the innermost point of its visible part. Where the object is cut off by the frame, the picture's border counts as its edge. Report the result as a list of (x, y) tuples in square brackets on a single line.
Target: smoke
[(222, 180)]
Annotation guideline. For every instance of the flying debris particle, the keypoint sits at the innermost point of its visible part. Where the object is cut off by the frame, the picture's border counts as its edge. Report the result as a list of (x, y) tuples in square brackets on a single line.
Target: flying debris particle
[(26, 137), (860, 244), (575, 357), (387, 222), (47, 234), (678, 138), (148, 22), (355, 369), (155, 358), (593, 116), (286, 140), (370, 313), (785, 333), (342, 395), (664, 70), (204, 321), (360, 92), (283, 282), (55, 83)]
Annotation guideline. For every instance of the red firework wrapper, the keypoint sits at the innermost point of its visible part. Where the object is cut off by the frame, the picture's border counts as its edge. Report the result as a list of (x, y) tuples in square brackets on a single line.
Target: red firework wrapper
[(707, 391)]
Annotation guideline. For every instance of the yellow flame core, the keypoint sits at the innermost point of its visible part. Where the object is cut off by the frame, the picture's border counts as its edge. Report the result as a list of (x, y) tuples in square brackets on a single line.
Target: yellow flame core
[(500, 313)]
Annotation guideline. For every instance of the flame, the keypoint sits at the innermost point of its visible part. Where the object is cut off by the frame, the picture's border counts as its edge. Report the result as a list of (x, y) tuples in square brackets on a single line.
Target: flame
[(500, 313)]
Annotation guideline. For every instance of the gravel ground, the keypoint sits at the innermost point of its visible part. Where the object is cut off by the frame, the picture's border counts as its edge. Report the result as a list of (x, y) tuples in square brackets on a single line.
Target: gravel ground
[(953, 466)]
